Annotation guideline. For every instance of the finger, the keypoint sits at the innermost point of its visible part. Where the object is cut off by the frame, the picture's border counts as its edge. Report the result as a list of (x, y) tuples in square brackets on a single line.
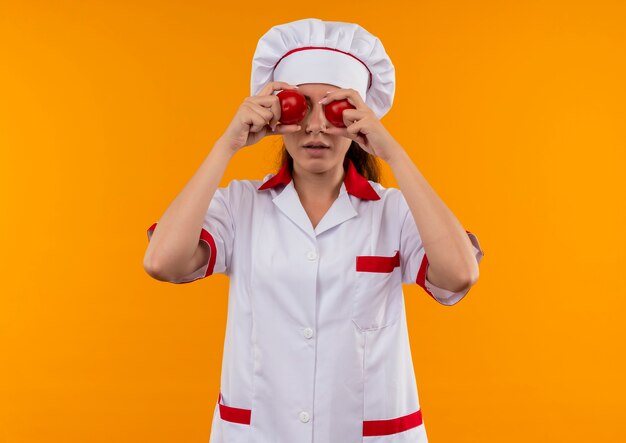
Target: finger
[(255, 120), (275, 86), (352, 95), (361, 140), (355, 134), (334, 130), (276, 111), (357, 137), (263, 100), (265, 112), (272, 102), (352, 115), (287, 129)]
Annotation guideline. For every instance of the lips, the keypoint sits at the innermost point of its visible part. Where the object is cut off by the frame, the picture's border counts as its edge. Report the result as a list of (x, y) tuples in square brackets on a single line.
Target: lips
[(316, 144)]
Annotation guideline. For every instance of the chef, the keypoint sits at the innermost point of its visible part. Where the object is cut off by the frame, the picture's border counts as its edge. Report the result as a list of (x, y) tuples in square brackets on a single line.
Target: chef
[(316, 347)]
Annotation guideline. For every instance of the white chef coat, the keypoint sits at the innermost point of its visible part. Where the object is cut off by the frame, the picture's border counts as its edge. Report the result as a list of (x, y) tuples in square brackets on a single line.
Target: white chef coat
[(316, 347)]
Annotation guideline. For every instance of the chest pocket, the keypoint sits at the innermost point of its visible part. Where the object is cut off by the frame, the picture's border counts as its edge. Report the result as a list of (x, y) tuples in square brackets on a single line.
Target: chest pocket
[(378, 291)]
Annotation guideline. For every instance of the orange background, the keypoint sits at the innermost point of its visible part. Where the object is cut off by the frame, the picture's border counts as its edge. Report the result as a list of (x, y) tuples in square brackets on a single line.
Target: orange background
[(514, 112)]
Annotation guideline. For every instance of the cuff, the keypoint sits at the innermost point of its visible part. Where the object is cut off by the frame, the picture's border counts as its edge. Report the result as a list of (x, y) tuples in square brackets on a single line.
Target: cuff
[(444, 296), (205, 270)]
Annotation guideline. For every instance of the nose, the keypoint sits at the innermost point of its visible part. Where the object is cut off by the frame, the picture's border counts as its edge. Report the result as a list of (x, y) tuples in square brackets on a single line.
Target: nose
[(315, 120)]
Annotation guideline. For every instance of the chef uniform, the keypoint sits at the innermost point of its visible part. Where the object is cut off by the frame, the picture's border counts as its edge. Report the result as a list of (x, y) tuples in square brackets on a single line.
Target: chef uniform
[(316, 347)]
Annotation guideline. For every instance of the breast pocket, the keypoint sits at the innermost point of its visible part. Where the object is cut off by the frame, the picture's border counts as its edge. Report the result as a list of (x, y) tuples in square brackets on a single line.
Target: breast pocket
[(378, 291)]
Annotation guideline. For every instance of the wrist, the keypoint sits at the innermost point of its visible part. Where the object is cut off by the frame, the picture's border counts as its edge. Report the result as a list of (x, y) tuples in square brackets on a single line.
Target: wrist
[(396, 154), (225, 145)]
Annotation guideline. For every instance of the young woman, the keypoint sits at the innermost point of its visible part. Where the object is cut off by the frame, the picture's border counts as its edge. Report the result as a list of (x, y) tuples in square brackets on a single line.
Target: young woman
[(316, 346)]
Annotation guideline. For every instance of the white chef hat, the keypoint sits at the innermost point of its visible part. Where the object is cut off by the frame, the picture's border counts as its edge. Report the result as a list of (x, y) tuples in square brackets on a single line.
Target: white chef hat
[(316, 51)]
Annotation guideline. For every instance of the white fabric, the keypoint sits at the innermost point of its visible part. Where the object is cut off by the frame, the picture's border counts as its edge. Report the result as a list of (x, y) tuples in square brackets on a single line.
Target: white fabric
[(322, 65), (314, 349)]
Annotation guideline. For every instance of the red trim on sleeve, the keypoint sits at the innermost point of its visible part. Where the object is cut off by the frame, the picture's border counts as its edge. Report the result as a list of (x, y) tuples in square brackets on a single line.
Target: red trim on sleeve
[(377, 263), (151, 230), (392, 426), (421, 273), (206, 237), (421, 276), (235, 415)]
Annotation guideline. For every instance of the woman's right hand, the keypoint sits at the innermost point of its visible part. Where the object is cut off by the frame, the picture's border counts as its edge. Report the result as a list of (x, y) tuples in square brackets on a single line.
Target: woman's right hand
[(255, 117)]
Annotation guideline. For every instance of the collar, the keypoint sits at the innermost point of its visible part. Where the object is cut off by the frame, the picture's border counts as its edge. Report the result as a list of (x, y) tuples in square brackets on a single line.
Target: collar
[(354, 182)]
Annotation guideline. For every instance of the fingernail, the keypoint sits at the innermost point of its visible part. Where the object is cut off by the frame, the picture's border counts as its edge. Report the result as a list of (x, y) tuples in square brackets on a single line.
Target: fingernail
[(322, 100), (274, 127)]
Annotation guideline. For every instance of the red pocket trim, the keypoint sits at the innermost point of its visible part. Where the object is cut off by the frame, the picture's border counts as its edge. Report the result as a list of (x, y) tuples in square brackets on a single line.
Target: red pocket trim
[(392, 426), (377, 263), (235, 415)]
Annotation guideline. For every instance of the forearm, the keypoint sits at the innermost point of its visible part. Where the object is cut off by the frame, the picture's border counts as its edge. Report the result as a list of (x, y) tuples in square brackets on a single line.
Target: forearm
[(175, 239), (450, 254)]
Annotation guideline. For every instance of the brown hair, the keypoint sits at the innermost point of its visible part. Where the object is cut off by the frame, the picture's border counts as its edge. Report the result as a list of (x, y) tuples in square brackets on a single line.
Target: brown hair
[(365, 163)]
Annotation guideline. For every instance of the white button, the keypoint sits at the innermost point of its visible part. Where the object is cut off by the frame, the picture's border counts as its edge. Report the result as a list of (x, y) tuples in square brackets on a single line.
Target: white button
[(304, 417), (311, 255), (308, 332)]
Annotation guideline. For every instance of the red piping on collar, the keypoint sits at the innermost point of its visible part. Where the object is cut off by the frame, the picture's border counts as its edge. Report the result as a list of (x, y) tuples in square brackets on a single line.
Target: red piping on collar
[(356, 184)]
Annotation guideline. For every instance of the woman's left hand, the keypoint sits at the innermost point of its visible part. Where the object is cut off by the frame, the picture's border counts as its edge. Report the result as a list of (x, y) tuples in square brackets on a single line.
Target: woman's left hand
[(362, 125)]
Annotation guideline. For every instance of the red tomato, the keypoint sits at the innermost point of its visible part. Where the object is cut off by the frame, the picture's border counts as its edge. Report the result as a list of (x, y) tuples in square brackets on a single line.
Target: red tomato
[(293, 107), (334, 111)]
